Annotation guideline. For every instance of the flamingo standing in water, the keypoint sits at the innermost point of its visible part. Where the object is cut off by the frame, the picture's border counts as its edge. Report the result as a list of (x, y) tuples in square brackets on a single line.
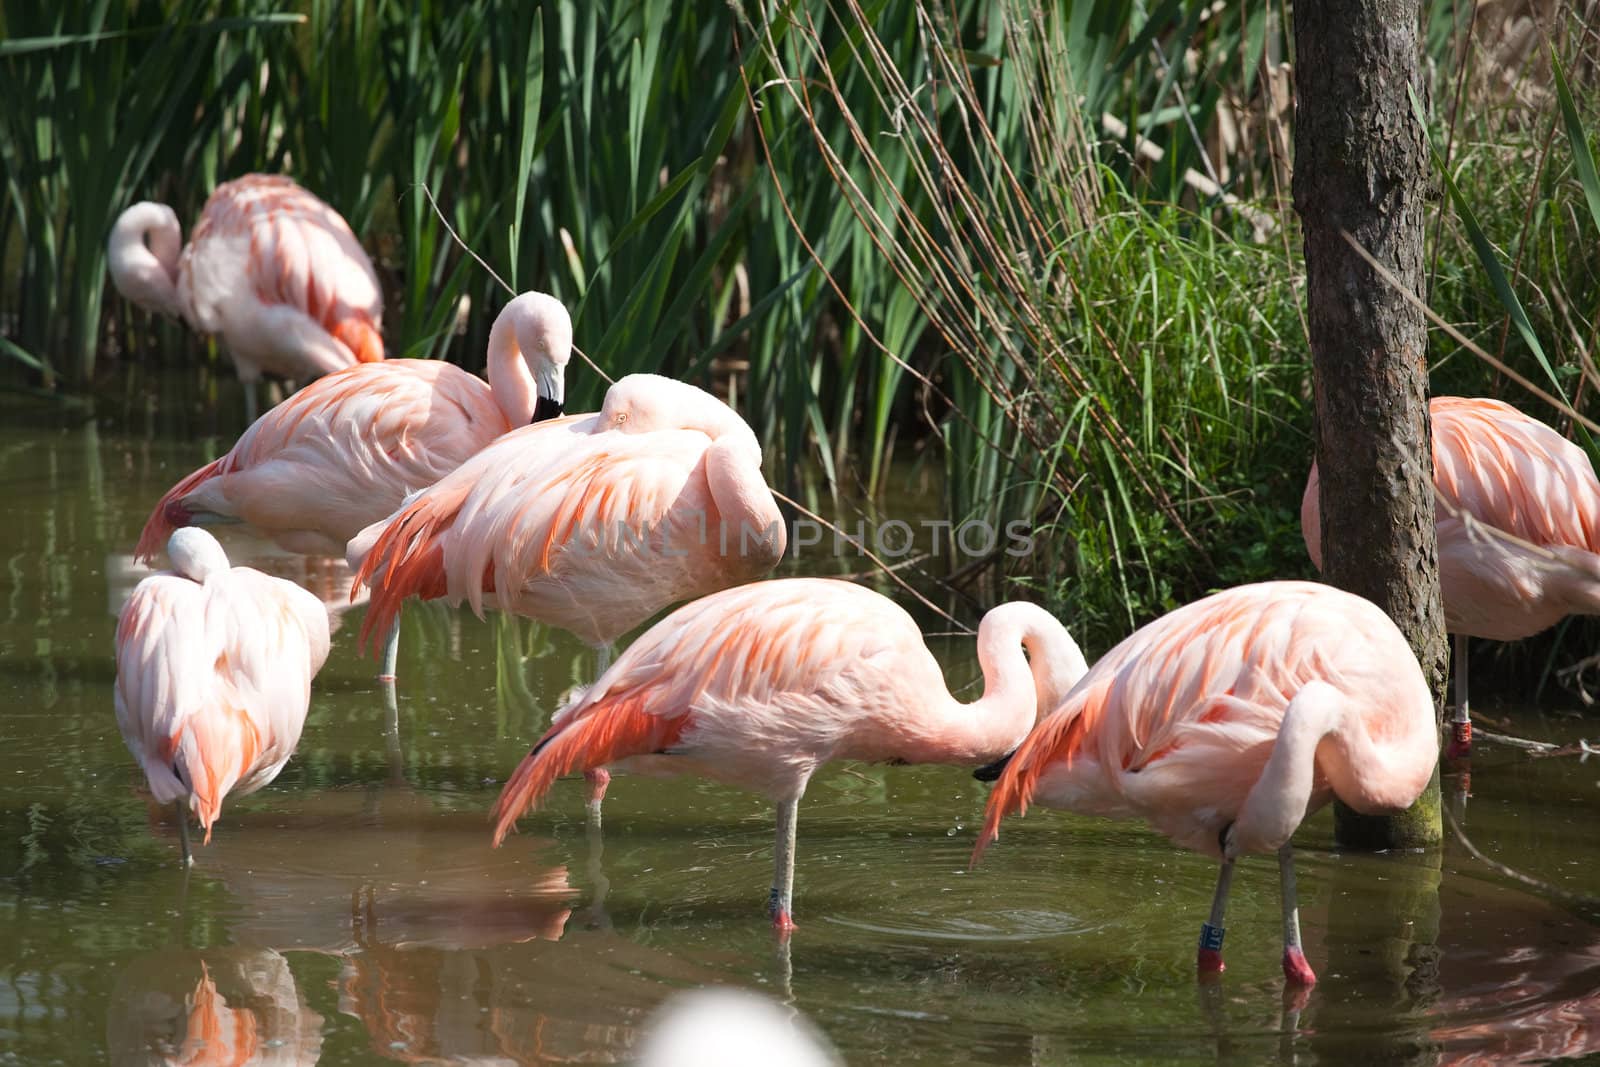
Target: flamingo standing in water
[(1495, 467), (760, 685), (214, 669), (343, 452), (1227, 722), (274, 270), (592, 523)]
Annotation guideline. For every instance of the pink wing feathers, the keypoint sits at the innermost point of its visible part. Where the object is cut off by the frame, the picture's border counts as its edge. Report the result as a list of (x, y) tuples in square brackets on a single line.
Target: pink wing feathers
[(339, 454), (593, 532), (1514, 473), (1507, 469), (301, 254)]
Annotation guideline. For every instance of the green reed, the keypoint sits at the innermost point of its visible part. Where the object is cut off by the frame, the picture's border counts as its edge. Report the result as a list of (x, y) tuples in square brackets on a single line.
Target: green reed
[(1045, 249)]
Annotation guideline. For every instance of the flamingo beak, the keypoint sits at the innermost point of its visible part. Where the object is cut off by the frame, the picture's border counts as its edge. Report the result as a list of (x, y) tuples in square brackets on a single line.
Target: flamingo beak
[(550, 381)]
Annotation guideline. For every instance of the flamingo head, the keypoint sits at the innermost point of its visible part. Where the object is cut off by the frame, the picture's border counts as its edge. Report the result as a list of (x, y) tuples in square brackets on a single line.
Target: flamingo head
[(544, 335), (641, 403)]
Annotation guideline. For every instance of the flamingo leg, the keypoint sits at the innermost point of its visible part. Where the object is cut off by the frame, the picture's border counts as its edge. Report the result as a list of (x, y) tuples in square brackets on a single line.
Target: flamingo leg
[(602, 659), (183, 833), (251, 404), (781, 902), (1295, 967), (391, 732), (1211, 931), (598, 778), (598, 919), (391, 652), (1460, 746)]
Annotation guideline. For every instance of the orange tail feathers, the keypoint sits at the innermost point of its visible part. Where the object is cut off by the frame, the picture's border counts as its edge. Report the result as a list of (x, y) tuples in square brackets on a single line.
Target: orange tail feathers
[(360, 337), (169, 513), (218, 747), (604, 733), (406, 560), (1055, 739)]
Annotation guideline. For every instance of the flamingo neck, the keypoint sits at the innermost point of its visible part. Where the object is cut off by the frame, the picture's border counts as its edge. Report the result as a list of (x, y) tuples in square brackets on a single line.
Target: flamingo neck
[(1013, 690), (143, 254)]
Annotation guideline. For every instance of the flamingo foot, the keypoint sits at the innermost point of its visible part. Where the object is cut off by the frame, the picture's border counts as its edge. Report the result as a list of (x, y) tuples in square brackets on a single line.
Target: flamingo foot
[(1295, 999), (1459, 749), (598, 778), (1296, 969), (1209, 960), (782, 922)]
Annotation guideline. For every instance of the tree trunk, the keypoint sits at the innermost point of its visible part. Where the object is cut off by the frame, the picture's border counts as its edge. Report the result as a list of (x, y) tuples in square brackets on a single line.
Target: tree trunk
[(1360, 166)]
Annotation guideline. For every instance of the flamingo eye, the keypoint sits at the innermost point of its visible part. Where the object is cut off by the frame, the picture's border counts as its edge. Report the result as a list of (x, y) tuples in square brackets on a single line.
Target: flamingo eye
[(621, 417)]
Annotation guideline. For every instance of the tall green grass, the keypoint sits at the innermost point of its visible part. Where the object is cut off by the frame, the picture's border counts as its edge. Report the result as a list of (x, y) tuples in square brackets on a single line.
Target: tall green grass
[(1136, 378), (1044, 248), (1128, 377)]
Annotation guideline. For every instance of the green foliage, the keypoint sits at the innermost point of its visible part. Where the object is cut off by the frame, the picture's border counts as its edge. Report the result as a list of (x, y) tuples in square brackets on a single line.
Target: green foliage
[(81, 837), (1121, 371), (1204, 369)]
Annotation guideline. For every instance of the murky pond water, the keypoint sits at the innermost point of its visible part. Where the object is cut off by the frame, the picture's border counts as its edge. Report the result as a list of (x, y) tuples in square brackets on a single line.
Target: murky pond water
[(354, 911)]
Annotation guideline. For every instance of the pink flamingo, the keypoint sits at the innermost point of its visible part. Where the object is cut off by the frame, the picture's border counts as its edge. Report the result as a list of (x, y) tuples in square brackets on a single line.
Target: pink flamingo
[(343, 452), (592, 523), (760, 685), (270, 267), (214, 669), (1227, 722), (1495, 467)]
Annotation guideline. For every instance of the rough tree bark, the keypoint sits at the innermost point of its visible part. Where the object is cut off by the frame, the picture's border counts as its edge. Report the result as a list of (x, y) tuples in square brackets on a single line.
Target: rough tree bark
[(1360, 165)]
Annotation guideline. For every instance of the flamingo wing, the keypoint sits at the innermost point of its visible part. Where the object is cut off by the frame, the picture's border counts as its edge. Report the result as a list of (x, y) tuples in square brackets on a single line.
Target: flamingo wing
[(776, 673), (549, 501), (339, 454), (1514, 473), (296, 253)]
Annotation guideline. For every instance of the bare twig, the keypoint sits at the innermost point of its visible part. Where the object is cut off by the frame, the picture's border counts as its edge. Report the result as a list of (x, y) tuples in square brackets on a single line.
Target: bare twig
[(882, 566), (1583, 900), (1559, 403), (451, 230)]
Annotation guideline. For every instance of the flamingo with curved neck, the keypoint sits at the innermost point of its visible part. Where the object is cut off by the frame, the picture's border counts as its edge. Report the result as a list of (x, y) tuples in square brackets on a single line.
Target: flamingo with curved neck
[(1227, 722), (143, 254), (760, 685), (591, 523), (273, 270), (346, 450)]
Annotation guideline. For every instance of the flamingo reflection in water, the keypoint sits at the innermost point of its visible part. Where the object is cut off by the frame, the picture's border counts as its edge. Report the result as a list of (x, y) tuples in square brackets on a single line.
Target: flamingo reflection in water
[(447, 951), (207, 1009)]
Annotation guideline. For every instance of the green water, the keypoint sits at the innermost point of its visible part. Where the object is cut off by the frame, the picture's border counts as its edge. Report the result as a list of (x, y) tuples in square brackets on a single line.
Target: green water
[(354, 909)]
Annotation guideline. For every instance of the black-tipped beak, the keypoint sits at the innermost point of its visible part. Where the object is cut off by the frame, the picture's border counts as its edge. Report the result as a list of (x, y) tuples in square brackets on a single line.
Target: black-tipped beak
[(545, 408), (989, 772)]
